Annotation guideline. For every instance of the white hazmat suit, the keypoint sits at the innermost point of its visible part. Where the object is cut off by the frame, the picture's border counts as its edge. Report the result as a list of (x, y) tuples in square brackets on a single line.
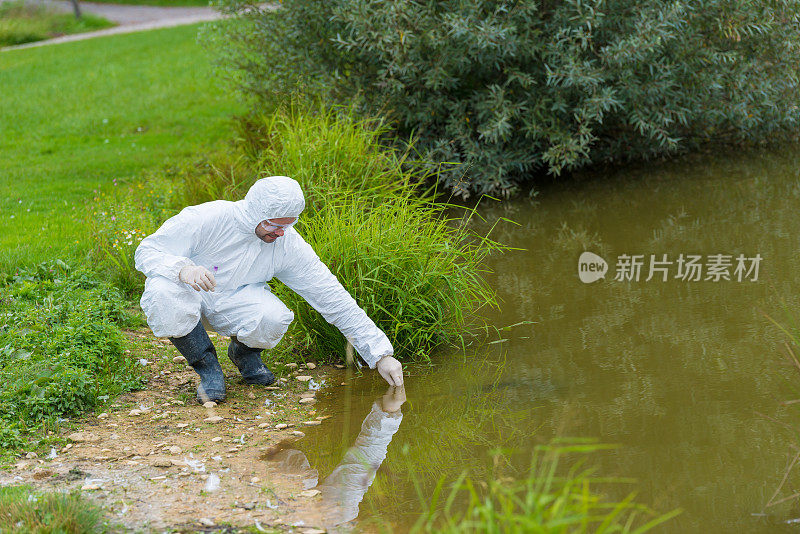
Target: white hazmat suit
[(220, 236)]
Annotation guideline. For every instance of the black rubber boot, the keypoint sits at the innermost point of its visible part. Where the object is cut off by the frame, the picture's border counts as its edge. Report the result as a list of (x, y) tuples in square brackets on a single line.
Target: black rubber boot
[(249, 363), (200, 353)]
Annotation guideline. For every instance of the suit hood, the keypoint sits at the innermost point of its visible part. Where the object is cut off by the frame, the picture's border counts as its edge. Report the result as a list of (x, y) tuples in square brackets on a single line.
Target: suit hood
[(269, 198)]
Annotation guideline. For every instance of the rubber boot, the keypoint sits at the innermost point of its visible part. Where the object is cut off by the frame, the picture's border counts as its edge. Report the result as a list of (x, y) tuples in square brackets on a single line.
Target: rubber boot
[(200, 353), (249, 363)]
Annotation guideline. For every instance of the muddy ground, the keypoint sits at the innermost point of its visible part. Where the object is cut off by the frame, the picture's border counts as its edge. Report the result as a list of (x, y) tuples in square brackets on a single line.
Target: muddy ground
[(157, 460)]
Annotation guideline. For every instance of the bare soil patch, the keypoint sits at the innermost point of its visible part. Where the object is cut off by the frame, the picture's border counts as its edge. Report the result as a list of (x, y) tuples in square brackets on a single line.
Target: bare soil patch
[(158, 460)]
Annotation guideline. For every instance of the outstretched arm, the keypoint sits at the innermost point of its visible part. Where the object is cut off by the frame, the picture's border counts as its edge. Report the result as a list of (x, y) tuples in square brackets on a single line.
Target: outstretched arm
[(304, 273)]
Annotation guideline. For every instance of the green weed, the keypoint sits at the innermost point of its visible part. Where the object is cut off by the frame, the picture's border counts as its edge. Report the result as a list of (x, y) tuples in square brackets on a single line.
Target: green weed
[(61, 348), (23, 510)]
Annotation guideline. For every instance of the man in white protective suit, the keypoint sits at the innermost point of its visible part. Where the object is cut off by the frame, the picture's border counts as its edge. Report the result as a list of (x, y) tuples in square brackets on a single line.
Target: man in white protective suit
[(208, 266)]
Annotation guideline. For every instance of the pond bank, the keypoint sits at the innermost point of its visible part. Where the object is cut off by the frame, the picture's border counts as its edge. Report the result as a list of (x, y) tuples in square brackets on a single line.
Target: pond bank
[(156, 459)]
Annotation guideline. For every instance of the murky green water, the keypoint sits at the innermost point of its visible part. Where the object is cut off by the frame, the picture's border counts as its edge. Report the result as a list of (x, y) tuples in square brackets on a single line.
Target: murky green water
[(676, 372)]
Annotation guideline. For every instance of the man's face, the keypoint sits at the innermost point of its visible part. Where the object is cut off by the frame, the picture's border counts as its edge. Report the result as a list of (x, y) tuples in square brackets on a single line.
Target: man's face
[(267, 232)]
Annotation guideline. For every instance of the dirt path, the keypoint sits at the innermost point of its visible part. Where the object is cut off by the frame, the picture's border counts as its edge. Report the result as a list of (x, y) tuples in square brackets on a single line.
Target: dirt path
[(129, 18), (158, 460)]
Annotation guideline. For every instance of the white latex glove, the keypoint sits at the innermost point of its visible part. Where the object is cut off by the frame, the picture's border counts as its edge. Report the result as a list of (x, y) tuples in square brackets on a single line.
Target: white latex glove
[(198, 277), (391, 370)]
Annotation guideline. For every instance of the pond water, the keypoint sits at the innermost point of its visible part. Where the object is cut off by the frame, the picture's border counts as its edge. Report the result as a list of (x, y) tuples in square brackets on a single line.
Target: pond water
[(684, 375)]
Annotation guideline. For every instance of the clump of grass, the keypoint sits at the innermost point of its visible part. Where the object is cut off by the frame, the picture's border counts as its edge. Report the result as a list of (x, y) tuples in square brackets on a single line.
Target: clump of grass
[(21, 22), (416, 272), (326, 149), (548, 500), (23, 510)]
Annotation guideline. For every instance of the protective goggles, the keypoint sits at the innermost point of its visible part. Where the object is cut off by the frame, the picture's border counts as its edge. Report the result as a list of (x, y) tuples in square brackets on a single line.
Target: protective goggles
[(272, 226)]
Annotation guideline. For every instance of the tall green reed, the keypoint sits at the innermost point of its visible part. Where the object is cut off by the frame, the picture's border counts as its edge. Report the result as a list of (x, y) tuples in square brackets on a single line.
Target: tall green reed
[(414, 270), (552, 498)]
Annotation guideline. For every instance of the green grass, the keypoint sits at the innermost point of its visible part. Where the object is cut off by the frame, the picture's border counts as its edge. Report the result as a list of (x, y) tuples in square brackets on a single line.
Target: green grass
[(24, 23), (23, 510), (76, 116)]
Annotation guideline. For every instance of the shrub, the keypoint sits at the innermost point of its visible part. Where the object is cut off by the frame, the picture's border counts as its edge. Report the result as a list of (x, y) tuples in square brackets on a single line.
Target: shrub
[(514, 89)]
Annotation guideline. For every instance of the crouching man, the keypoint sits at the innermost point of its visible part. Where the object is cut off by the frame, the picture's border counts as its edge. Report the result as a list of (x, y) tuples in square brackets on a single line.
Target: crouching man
[(208, 266)]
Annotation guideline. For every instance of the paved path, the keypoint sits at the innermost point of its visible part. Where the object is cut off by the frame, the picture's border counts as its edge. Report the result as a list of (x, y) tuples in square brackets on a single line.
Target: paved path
[(130, 19)]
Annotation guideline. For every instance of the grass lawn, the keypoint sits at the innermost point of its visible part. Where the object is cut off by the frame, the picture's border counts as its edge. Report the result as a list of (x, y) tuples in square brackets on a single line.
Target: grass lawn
[(24, 23), (75, 116)]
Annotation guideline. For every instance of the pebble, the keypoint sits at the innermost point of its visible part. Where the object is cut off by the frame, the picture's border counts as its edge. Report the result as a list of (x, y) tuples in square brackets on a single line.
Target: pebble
[(310, 493), (255, 480), (90, 487), (339, 366), (174, 449), (209, 404), (281, 426), (308, 400), (31, 455), (251, 395), (206, 522), (233, 450), (213, 419), (312, 423), (310, 365), (178, 359), (162, 477), (298, 433), (135, 412), (272, 388), (263, 425), (216, 439), (323, 417), (161, 462), (291, 366), (283, 380), (304, 378), (182, 425), (81, 437), (103, 415), (249, 505), (307, 394)]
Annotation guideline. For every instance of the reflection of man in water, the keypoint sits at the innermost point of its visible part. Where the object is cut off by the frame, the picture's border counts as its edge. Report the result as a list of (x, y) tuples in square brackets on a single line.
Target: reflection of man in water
[(344, 489)]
